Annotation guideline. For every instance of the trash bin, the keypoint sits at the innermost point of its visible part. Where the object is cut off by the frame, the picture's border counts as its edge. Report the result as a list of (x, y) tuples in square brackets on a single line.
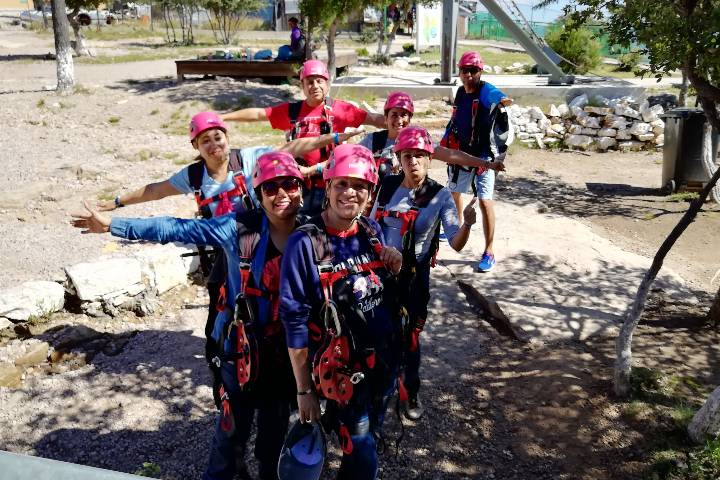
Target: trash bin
[(682, 152)]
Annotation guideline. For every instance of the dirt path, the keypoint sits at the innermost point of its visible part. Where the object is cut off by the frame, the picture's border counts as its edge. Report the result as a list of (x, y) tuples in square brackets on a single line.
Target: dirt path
[(497, 408)]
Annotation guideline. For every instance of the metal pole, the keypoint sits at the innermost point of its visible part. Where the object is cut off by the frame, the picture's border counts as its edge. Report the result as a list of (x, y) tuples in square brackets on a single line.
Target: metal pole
[(447, 50)]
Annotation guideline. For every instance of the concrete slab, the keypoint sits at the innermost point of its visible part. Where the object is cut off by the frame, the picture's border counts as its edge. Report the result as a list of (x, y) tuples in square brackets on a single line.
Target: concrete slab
[(523, 88), (555, 278)]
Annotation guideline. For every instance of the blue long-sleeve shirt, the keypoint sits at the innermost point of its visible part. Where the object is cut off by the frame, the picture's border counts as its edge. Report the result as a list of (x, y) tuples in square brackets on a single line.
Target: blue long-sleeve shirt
[(300, 292), (218, 231)]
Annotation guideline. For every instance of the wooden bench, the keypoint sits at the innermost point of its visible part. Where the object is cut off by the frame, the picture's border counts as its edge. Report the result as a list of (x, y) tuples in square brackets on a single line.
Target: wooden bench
[(268, 69)]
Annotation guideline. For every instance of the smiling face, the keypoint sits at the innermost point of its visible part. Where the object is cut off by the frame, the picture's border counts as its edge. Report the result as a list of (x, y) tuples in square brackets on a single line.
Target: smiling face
[(470, 76), (281, 197), (315, 88), (348, 196), (396, 119), (213, 146), (415, 164)]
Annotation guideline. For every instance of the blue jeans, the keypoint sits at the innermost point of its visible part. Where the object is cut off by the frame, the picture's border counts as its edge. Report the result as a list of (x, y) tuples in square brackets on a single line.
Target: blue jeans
[(227, 452), (417, 311)]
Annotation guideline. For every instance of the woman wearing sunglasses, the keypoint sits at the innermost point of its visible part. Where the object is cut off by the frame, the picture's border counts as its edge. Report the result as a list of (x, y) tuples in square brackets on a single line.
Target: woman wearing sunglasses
[(469, 131), (255, 368), (341, 314)]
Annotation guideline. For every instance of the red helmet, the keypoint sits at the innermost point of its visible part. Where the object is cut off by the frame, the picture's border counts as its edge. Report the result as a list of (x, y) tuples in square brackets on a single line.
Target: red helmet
[(471, 59), (399, 100), (349, 160), (205, 121), (314, 67), (414, 137), (275, 164)]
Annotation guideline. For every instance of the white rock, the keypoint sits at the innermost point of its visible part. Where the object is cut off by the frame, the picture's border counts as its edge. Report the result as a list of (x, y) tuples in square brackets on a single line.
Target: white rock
[(579, 141), (589, 131), (589, 122), (552, 133), (598, 110), (623, 135), (564, 110), (578, 112), (5, 323), (658, 127), (607, 132), (532, 128), (104, 277), (640, 128), (606, 142), (551, 140), (522, 120), (487, 69), (646, 137), (539, 140), (553, 111), (31, 299), (630, 145), (575, 129), (413, 60), (555, 120), (660, 140), (626, 111), (497, 69), (544, 124), (163, 266), (616, 122), (558, 127), (401, 63), (536, 113), (523, 136)]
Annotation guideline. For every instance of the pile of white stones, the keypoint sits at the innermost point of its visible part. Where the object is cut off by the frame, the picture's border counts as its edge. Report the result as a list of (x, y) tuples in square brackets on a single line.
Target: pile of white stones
[(619, 124)]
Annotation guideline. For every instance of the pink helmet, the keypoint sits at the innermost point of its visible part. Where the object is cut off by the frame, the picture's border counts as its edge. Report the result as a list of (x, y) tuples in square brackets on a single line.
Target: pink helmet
[(414, 137), (205, 121), (275, 164), (349, 160), (314, 67), (471, 59), (399, 100)]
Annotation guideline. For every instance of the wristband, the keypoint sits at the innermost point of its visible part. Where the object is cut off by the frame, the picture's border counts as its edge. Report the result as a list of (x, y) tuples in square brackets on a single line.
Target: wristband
[(336, 138), (306, 392), (118, 203), (319, 167)]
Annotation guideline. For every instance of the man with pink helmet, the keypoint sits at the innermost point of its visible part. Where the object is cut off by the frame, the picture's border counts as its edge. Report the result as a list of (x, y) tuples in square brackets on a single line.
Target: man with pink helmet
[(316, 115), (256, 374), (410, 208), (339, 308), (469, 130)]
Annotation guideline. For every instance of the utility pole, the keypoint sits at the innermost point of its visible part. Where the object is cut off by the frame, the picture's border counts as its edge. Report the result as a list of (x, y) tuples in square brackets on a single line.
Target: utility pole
[(447, 48)]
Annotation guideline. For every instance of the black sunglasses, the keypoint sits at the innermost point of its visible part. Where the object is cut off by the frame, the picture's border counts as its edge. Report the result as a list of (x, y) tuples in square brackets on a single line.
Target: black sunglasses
[(272, 187), (470, 70)]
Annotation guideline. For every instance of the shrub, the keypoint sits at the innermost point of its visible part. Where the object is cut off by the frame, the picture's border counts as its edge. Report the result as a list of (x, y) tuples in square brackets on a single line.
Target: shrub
[(576, 45), (368, 35), (408, 48), (362, 52), (629, 62)]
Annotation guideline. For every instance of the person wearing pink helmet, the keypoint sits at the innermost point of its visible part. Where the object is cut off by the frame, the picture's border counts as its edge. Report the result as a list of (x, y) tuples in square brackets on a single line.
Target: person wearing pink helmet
[(341, 317), (469, 130), (256, 374), (410, 207), (316, 115), (219, 180)]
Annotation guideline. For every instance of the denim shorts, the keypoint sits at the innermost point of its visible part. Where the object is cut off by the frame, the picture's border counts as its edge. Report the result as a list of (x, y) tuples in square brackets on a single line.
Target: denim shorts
[(485, 184)]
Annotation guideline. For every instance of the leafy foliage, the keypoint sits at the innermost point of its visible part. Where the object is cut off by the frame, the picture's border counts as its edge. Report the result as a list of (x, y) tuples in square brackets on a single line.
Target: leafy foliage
[(629, 62), (227, 15), (577, 45)]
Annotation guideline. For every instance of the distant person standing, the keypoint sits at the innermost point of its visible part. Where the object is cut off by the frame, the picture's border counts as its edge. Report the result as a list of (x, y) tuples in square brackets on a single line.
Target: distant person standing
[(297, 39), (469, 130)]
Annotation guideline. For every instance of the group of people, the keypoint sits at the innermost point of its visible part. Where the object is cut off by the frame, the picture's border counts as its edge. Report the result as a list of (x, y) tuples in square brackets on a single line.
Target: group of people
[(320, 287)]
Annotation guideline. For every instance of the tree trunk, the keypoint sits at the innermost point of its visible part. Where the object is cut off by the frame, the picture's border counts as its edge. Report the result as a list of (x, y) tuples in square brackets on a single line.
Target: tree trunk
[(714, 314), (623, 362), (708, 157), (391, 37), (81, 48), (682, 99), (706, 422), (382, 28), (63, 54), (331, 48)]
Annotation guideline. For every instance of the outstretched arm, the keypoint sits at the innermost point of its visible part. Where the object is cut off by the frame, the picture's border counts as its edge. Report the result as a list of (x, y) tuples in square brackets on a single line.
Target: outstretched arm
[(301, 146), (458, 157), (246, 115), (148, 193)]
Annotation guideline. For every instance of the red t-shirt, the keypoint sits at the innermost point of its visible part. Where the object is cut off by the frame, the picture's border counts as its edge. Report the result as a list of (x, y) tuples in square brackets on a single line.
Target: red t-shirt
[(342, 115)]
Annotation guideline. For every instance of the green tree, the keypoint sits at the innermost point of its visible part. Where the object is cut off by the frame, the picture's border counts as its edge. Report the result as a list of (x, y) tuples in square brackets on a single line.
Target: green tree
[(577, 46), (227, 16), (75, 6)]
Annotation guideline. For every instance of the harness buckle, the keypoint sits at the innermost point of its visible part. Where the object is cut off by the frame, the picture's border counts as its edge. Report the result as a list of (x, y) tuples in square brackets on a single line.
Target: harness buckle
[(356, 377), (216, 361)]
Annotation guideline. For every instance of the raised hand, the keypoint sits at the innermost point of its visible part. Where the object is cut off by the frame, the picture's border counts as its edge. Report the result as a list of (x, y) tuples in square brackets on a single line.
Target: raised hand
[(91, 221), (469, 213)]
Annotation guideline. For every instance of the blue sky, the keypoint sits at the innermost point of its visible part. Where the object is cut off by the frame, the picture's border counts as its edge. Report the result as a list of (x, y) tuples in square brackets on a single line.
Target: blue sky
[(547, 14)]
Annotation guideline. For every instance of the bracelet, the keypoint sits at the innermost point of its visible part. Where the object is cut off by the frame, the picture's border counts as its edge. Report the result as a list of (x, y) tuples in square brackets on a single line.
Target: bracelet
[(306, 392), (118, 203), (319, 167), (336, 138)]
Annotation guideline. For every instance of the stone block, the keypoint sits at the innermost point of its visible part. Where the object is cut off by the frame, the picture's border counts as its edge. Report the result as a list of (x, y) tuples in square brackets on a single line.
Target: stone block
[(645, 137), (35, 354), (658, 127), (553, 111), (536, 113), (602, 111), (558, 127), (589, 122), (606, 142), (607, 132), (10, 375), (31, 299), (593, 132), (106, 277), (579, 141), (564, 110), (163, 266), (626, 111), (660, 140), (623, 135), (639, 128), (630, 145), (575, 129)]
